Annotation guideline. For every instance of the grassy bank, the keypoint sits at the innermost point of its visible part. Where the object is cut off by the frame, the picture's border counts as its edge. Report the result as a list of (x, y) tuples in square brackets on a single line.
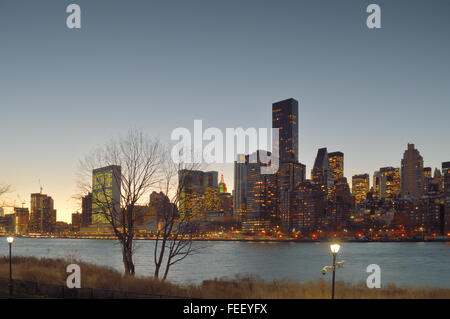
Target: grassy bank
[(53, 272)]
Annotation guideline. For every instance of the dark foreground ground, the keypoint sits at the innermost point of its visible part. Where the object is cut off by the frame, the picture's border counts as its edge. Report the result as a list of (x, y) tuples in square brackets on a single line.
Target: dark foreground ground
[(46, 278)]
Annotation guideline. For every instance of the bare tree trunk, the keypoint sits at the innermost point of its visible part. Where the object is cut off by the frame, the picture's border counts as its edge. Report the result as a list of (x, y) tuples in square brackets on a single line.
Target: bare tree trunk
[(166, 272), (138, 160), (128, 263)]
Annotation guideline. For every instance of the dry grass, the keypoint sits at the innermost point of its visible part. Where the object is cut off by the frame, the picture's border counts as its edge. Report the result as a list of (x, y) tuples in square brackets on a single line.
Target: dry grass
[(315, 289), (53, 271)]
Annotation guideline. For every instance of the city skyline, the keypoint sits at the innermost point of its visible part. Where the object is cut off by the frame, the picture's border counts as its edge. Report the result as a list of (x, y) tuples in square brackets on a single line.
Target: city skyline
[(362, 92), (371, 174)]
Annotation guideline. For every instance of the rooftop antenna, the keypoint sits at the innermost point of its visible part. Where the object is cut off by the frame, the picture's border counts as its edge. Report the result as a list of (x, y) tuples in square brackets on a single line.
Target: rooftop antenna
[(20, 199), (40, 185)]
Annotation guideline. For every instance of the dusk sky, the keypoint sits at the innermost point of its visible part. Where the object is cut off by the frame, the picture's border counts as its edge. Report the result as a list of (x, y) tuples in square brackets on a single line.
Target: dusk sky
[(159, 65)]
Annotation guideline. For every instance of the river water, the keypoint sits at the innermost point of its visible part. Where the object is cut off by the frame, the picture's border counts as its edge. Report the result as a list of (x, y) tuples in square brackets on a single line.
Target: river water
[(406, 263)]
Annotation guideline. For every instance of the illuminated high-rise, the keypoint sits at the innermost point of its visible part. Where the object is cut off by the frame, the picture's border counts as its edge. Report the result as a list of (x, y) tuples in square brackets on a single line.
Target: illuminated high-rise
[(389, 183), (106, 185), (336, 164), (341, 204), (304, 207), (376, 184), (321, 173), (285, 118), (262, 194), (240, 185), (412, 173), (427, 179), (360, 187), (192, 186), (446, 178)]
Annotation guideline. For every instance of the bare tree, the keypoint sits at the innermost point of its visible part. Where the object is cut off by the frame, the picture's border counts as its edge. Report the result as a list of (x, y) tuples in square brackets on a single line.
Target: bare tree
[(4, 189), (131, 162), (175, 231)]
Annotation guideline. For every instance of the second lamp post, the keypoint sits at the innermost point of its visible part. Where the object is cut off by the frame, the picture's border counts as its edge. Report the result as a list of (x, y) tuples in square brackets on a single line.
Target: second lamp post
[(10, 240), (334, 250)]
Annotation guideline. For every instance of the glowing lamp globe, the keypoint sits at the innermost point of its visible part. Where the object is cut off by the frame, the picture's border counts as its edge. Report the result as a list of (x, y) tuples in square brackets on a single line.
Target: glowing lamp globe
[(10, 239), (335, 248)]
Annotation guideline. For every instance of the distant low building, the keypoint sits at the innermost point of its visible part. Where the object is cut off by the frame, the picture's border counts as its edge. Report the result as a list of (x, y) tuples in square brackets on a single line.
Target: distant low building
[(22, 218), (42, 214), (76, 222), (86, 210), (62, 228)]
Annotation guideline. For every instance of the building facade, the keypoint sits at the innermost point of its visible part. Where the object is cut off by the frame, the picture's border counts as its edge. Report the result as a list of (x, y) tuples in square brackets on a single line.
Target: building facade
[(360, 187), (336, 165), (412, 173), (106, 188), (285, 119), (389, 183), (446, 195), (86, 210), (192, 185), (22, 219), (42, 214), (321, 173)]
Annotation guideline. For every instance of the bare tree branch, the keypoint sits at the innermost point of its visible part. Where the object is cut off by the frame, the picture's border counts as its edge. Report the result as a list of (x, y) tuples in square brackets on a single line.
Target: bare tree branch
[(174, 236), (139, 159)]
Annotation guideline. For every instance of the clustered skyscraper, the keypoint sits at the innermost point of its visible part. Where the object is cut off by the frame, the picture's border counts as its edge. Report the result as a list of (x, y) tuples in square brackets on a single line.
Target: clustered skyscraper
[(405, 197)]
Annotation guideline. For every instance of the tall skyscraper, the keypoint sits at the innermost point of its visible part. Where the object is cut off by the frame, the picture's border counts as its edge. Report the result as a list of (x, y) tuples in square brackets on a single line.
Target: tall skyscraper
[(42, 214), (289, 175), (258, 196), (106, 185), (341, 203), (360, 187), (412, 173), (240, 185), (321, 173), (285, 118), (389, 183), (446, 178), (376, 183), (336, 164), (192, 185), (262, 194), (427, 179), (303, 207), (445, 169)]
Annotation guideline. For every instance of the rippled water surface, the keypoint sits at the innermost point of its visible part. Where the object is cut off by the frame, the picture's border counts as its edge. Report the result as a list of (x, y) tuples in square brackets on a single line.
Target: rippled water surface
[(401, 263)]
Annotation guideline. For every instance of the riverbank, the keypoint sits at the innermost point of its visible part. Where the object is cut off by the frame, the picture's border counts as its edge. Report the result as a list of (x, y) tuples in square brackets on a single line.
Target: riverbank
[(47, 278), (262, 239)]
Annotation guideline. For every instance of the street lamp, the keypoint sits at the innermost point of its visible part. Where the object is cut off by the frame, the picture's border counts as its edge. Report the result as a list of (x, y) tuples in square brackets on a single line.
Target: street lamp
[(334, 247), (10, 240)]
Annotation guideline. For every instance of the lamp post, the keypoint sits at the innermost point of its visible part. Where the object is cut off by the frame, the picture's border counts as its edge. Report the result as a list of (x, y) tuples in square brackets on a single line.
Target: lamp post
[(334, 247), (10, 240)]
